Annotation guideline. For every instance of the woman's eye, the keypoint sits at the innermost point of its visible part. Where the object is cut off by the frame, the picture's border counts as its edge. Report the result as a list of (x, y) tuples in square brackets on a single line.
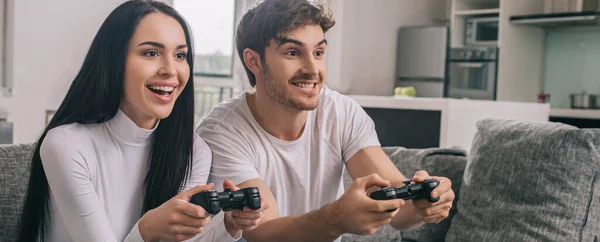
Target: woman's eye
[(151, 53), (293, 53), (181, 56)]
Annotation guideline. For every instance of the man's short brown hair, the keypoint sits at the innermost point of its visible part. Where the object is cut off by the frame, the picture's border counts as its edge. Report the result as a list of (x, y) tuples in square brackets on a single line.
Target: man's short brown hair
[(270, 19)]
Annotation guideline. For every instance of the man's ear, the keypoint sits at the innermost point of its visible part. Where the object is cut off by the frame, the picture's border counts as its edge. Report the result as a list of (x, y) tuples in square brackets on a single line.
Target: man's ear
[(252, 60)]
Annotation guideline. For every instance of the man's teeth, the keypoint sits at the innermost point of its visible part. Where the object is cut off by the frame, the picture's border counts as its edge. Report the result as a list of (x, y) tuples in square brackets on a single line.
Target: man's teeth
[(162, 88), (305, 85)]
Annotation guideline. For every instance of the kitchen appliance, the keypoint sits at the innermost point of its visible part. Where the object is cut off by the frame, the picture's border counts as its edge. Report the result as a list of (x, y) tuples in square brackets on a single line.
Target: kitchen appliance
[(481, 31), (6, 128), (472, 73), (585, 101), (421, 59)]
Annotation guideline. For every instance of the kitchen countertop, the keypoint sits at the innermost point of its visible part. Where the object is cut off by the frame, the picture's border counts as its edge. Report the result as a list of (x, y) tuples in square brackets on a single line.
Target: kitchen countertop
[(441, 104), (575, 113)]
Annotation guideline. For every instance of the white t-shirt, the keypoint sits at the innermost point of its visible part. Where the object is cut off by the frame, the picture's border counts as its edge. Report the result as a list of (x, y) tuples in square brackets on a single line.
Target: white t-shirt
[(303, 175), (96, 174)]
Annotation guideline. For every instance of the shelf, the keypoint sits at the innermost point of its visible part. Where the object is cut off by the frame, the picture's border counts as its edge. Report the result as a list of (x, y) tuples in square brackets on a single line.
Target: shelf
[(477, 12), (560, 20), (575, 113)]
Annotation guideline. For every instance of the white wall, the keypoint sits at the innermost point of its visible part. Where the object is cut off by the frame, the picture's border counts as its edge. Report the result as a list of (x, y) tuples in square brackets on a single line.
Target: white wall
[(368, 39), (49, 39), (47, 45)]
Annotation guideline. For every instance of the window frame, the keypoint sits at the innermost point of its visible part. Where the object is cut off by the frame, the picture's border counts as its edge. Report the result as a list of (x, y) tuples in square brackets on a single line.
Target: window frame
[(233, 50)]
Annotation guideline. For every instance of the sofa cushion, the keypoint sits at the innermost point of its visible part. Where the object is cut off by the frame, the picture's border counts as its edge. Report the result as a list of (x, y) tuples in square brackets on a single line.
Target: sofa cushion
[(14, 177), (529, 181), (439, 162)]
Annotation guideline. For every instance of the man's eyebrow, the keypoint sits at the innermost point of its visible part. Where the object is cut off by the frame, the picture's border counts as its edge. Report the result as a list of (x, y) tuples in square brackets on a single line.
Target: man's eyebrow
[(283, 41), (322, 42)]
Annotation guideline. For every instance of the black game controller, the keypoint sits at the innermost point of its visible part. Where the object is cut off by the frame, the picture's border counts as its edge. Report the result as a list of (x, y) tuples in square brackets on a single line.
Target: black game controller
[(408, 191), (213, 201)]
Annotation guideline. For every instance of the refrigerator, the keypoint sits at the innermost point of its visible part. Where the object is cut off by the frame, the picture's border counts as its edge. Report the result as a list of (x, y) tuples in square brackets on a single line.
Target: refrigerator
[(421, 59)]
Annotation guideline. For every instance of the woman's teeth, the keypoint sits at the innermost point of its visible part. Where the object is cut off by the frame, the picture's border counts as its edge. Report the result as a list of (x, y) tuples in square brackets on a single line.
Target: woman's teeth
[(162, 88), (305, 85)]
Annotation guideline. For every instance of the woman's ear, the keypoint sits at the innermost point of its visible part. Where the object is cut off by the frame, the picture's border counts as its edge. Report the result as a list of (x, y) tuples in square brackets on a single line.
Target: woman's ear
[(252, 60)]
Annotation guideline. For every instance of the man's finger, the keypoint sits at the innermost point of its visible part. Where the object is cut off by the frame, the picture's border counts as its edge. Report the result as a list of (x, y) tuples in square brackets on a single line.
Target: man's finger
[(420, 176), (371, 180), (444, 185), (383, 205)]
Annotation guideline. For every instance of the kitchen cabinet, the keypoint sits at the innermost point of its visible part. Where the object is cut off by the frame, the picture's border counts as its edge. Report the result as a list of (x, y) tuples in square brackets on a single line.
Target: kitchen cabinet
[(520, 48), (581, 118)]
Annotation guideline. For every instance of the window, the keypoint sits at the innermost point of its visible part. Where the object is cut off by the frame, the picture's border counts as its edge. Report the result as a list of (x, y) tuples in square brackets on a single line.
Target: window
[(212, 24), (6, 84)]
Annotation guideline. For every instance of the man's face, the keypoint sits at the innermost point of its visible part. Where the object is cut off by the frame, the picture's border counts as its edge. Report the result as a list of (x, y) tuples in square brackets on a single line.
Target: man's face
[(294, 69)]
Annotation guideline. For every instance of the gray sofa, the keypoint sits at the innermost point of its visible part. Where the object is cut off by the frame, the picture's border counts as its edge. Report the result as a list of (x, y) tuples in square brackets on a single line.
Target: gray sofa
[(522, 181)]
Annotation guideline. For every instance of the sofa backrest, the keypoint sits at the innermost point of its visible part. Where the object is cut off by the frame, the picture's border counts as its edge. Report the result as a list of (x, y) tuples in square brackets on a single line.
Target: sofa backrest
[(15, 161), (530, 181)]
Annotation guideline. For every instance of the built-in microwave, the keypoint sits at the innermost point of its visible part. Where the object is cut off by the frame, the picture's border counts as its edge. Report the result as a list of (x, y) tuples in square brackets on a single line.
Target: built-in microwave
[(481, 31)]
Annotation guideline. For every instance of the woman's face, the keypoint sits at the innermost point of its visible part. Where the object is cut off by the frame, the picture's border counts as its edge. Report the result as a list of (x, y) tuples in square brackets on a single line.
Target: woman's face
[(156, 69)]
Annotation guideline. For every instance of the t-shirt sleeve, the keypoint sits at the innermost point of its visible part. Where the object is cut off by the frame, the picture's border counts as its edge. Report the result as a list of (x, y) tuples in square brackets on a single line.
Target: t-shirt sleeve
[(358, 129), (232, 154), (74, 195)]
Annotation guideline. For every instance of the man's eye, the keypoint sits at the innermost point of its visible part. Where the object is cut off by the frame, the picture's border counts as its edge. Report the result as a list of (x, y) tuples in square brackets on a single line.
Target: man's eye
[(293, 53), (320, 53)]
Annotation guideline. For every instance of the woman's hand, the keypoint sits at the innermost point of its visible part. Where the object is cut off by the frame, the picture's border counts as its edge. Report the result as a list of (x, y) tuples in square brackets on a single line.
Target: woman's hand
[(176, 219), (242, 220)]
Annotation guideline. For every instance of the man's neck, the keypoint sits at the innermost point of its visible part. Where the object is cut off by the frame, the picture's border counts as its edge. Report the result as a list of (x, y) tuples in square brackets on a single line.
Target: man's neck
[(277, 119)]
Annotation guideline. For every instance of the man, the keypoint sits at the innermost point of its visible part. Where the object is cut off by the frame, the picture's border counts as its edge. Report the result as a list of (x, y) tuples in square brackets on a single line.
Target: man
[(293, 137)]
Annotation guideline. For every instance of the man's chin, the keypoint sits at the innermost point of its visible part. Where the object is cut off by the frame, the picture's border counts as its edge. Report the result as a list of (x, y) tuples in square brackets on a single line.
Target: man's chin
[(304, 106)]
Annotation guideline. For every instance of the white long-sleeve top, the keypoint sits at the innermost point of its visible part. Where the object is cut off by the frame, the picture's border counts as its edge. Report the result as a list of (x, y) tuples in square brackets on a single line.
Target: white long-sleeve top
[(96, 174)]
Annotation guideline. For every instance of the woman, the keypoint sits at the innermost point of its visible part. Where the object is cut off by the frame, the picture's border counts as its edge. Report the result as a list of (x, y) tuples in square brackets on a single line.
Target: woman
[(120, 159)]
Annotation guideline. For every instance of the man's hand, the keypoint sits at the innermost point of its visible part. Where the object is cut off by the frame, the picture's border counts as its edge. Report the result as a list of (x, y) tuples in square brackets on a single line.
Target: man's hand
[(435, 212), (355, 212)]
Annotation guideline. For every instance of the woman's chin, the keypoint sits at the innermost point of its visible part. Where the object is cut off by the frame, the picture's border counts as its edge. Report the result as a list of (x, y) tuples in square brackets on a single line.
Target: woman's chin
[(162, 112)]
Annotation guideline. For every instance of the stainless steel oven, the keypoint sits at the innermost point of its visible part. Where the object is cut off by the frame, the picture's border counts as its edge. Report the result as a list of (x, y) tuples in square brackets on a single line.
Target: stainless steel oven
[(472, 73)]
